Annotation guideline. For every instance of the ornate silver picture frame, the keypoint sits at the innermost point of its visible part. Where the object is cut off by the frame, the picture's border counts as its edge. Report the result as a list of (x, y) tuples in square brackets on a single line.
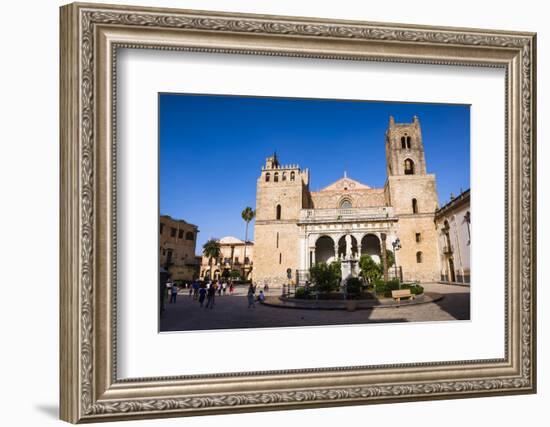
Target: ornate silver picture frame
[(91, 389)]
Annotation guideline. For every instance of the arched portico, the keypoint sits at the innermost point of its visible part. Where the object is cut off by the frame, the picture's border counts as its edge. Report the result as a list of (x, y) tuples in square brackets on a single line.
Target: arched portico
[(370, 245), (324, 250), (342, 246)]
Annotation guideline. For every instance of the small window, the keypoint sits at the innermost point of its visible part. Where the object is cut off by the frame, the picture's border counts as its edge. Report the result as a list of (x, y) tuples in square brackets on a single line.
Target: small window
[(417, 237), (409, 167), (408, 142), (161, 227), (414, 206), (277, 239), (276, 177), (292, 176), (267, 177), (419, 257), (180, 234), (172, 232), (403, 142), (236, 260), (345, 204), (284, 176), (280, 258), (189, 236), (278, 213)]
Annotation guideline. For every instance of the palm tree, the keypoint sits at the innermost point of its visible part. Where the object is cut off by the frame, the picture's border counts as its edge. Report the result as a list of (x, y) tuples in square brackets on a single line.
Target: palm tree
[(211, 249), (248, 215)]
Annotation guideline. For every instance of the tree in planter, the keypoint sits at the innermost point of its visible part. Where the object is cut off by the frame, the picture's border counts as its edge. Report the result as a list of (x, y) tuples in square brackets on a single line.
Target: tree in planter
[(211, 249), (235, 274), (325, 277), (370, 270)]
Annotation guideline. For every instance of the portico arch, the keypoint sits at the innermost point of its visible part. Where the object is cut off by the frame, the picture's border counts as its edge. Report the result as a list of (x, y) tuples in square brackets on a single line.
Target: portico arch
[(324, 249), (370, 245), (342, 246)]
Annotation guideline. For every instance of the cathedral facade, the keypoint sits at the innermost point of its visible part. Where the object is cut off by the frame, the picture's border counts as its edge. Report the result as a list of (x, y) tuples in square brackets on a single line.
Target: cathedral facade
[(296, 228)]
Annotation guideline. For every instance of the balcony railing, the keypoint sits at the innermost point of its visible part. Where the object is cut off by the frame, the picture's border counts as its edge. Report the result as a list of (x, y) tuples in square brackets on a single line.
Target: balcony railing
[(325, 215)]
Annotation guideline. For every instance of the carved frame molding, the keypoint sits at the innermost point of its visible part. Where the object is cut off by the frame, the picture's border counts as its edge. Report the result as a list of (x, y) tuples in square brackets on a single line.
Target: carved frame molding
[(90, 37)]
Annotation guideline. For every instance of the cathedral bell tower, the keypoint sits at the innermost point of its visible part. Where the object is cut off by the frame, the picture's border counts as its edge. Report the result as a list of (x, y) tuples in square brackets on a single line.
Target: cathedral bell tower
[(411, 191), (282, 191), (404, 148)]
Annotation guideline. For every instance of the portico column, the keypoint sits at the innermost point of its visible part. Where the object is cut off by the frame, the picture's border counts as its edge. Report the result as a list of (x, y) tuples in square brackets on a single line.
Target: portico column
[(384, 255)]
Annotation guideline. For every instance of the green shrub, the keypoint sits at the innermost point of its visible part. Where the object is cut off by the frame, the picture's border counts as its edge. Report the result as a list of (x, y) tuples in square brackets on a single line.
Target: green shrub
[(417, 290), (370, 270), (353, 286), (393, 284), (301, 293), (326, 277), (380, 287)]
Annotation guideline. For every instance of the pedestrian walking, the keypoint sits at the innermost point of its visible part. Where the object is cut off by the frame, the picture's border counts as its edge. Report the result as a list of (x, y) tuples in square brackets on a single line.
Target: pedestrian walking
[(196, 287), (173, 293), (210, 296), (224, 287), (250, 296), (231, 288), (202, 295), (219, 288), (169, 285)]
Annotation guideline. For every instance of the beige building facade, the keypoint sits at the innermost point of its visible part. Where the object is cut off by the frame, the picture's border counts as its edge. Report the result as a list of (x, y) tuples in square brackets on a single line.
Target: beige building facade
[(177, 244), (454, 239), (296, 227), (233, 258)]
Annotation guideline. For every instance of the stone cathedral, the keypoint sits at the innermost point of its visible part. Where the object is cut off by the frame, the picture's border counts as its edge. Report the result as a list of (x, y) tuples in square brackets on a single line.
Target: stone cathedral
[(296, 228)]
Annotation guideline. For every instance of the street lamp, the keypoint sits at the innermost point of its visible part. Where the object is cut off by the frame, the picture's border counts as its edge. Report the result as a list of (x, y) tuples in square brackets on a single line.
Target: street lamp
[(396, 245)]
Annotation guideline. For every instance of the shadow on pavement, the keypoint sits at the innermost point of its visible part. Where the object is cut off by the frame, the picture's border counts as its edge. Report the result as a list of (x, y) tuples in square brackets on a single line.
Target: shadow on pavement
[(457, 306)]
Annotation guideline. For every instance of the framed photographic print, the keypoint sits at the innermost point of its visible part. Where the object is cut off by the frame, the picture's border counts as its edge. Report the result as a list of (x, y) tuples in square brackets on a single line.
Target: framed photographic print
[(265, 212)]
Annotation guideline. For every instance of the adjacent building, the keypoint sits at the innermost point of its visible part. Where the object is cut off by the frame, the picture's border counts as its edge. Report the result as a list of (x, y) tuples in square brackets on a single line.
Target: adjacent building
[(233, 257), (296, 227), (177, 244), (454, 239)]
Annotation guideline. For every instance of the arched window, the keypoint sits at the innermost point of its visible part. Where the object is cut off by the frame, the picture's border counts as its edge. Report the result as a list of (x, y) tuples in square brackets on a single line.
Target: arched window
[(190, 236), (292, 176), (267, 177), (415, 206), (284, 176), (403, 142), (408, 142), (276, 177), (409, 167), (419, 257), (345, 204), (278, 212)]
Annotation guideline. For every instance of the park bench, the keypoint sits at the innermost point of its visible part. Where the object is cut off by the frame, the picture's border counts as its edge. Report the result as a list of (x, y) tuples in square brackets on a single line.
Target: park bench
[(401, 293)]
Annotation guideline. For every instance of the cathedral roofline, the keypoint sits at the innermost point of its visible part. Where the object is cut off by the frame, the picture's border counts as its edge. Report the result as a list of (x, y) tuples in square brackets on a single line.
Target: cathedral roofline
[(346, 184)]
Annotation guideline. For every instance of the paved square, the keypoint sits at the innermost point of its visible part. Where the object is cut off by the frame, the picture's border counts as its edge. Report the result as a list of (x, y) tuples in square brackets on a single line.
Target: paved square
[(232, 312)]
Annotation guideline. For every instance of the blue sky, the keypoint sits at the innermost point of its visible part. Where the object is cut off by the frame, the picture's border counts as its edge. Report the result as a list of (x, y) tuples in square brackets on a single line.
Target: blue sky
[(212, 149)]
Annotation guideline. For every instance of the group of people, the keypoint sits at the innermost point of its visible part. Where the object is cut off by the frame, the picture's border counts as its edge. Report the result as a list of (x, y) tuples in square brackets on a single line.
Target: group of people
[(209, 290), (205, 292)]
